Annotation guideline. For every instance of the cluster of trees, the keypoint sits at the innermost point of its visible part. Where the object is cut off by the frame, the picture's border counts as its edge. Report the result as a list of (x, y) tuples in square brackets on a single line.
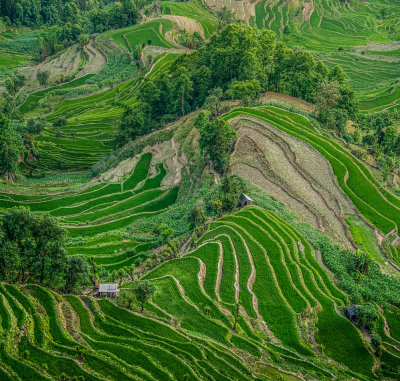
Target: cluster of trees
[(141, 292), (64, 22), (36, 13), (242, 62), (335, 101), (367, 317), (377, 134), (31, 250), (14, 83), (16, 140), (358, 275), (192, 41), (216, 140)]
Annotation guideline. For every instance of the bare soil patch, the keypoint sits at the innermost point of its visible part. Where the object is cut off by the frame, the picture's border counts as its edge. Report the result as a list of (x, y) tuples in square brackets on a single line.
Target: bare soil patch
[(308, 10), (243, 9), (271, 96), (186, 23), (294, 173)]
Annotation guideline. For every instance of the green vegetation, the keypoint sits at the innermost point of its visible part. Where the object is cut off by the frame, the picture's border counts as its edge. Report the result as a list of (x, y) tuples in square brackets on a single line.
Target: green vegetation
[(143, 34), (376, 204), (365, 238), (9, 61), (122, 170)]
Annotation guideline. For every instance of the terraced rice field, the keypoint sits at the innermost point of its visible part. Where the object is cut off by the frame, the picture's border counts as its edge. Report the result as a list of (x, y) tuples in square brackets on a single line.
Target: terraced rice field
[(103, 208), (91, 124), (324, 26), (33, 99), (376, 204), (194, 9), (387, 99), (152, 31), (294, 173), (9, 61), (328, 24), (252, 258)]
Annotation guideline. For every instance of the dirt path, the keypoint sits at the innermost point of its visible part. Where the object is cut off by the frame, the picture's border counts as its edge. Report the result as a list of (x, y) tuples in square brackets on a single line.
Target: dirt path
[(182, 292), (237, 273), (252, 277), (202, 275), (219, 274)]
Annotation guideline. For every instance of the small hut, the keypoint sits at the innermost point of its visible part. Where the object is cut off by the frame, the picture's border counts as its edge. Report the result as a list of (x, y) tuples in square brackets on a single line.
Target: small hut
[(351, 312), (108, 289), (245, 200)]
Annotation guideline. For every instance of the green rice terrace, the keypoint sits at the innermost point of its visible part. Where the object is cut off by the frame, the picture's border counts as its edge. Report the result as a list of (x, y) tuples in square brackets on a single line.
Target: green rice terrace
[(359, 36), (199, 190)]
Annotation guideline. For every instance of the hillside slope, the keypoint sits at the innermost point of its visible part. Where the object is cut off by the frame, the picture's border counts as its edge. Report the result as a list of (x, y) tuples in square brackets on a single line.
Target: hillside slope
[(252, 258)]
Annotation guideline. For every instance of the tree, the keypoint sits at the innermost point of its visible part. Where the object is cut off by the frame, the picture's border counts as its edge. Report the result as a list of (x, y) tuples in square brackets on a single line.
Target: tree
[(10, 86), (229, 191), (369, 140), (225, 17), (202, 83), (131, 271), (126, 298), (217, 204), (37, 240), (384, 12), (216, 140), (348, 101), (9, 259), (70, 12), (143, 291), (197, 217), (166, 234), (367, 315), (327, 95), (60, 122), (213, 102), (10, 148), (43, 77), (236, 317), (337, 74), (390, 138), (150, 94), (247, 91), (130, 11), (84, 39), (286, 30), (134, 123), (77, 273), (322, 69), (49, 254), (36, 125), (183, 86)]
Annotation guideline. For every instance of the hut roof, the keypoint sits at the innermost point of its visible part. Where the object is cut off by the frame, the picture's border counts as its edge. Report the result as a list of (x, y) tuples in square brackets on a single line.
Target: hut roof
[(243, 198), (108, 287), (351, 312)]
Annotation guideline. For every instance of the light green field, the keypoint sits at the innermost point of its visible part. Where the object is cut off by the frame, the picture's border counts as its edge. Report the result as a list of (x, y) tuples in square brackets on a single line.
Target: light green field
[(9, 61), (193, 9), (336, 24), (375, 203), (152, 31), (93, 213), (202, 346)]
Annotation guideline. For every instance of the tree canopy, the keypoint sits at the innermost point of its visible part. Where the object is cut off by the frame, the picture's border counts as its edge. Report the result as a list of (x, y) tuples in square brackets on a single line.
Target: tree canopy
[(31, 248)]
